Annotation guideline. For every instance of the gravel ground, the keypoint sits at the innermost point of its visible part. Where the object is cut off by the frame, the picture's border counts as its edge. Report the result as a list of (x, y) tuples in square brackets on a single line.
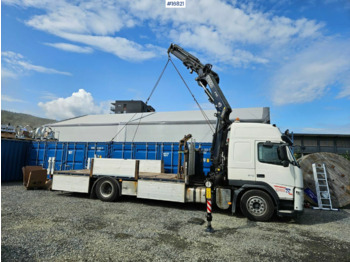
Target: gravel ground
[(40, 225)]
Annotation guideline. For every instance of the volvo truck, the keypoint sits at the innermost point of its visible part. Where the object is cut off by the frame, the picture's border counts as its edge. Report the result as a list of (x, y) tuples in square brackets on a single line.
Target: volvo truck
[(253, 168)]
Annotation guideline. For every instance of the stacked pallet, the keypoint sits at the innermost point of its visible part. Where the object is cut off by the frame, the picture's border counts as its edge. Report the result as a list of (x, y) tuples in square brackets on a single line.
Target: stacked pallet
[(338, 172)]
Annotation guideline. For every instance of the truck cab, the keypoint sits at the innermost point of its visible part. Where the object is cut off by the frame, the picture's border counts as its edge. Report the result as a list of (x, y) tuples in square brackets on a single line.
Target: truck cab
[(262, 171)]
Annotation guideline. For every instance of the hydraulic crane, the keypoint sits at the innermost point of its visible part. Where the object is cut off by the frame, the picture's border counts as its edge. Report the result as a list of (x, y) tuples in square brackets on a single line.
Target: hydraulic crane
[(207, 77)]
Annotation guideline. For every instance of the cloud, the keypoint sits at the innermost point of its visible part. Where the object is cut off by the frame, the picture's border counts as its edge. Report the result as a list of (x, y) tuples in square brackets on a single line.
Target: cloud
[(309, 75), (224, 32), (15, 64), (71, 48), (119, 46), (79, 103), (345, 92), (227, 33), (48, 95), (92, 23), (10, 99), (5, 73)]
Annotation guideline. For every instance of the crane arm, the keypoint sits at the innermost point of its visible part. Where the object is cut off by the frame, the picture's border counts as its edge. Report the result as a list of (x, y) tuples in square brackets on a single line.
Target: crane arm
[(207, 77)]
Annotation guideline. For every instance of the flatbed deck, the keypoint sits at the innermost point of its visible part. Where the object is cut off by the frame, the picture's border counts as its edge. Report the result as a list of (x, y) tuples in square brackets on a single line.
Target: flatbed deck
[(142, 175), (73, 172), (159, 176)]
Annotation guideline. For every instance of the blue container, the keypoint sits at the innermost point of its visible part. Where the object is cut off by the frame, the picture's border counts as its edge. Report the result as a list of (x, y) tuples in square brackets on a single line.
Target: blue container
[(75, 155), (98, 149), (206, 156), (14, 155), (57, 150), (170, 157), (122, 150), (147, 150), (37, 153), (168, 152)]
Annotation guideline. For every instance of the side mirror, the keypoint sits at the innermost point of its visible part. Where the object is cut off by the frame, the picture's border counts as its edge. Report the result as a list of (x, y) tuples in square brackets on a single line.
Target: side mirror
[(282, 153)]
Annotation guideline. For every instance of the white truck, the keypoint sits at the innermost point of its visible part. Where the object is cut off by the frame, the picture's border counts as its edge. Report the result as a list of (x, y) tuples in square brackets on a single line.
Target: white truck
[(253, 168)]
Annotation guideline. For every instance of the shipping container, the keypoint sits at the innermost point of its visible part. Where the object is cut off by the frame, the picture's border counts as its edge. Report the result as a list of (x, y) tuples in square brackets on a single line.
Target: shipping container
[(168, 152), (14, 155), (77, 155)]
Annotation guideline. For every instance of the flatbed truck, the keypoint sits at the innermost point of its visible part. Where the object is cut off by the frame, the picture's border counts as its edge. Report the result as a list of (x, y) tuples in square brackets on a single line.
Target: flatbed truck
[(253, 168)]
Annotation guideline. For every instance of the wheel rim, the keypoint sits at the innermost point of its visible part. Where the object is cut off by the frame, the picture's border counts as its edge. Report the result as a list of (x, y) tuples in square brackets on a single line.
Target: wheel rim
[(106, 189), (256, 206)]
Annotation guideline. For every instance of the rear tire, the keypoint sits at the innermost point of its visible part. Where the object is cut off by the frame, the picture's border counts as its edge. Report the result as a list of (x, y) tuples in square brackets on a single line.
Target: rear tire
[(107, 189), (257, 205)]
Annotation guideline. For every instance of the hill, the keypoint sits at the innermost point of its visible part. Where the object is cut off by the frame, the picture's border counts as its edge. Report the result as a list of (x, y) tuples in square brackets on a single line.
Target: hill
[(16, 119)]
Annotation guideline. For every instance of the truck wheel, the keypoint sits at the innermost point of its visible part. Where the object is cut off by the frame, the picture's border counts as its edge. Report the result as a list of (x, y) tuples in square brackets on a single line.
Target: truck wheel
[(257, 205), (107, 189)]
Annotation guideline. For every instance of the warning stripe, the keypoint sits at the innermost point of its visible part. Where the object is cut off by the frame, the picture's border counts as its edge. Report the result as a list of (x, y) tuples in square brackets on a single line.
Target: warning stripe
[(208, 206)]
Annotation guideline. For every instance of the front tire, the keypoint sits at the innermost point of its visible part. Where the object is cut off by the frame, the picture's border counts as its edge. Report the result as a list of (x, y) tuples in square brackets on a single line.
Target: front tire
[(257, 205), (107, 189)]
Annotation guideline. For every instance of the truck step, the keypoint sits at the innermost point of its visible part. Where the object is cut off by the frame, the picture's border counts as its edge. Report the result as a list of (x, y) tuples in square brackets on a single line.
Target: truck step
[(285, 211)]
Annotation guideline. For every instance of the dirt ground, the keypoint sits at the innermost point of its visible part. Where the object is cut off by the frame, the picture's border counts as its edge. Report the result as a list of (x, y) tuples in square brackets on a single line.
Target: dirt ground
[(39, 225)]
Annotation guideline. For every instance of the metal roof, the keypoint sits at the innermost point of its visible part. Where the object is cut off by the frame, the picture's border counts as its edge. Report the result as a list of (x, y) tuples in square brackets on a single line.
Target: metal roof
[(149, 127), (322, 135), (258, 115)]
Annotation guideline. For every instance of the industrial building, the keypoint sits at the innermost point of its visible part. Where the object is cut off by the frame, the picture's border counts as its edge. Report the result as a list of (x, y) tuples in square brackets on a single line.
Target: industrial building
[(313, 143), (172, 126), (149, 126)]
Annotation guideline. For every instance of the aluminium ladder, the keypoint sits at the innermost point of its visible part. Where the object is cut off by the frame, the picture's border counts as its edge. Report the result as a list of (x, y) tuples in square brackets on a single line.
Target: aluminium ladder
[(322, 188)]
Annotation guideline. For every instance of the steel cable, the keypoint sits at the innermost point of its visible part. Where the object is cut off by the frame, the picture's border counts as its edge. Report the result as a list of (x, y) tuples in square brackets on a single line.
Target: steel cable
[(154, 88), (202, 111)]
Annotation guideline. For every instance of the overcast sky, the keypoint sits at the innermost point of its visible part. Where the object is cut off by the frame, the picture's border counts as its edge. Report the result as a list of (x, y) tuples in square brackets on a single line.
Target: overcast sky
[(62, 59)]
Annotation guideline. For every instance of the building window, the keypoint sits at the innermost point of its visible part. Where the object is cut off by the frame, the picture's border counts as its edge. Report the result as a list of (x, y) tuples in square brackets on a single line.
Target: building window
[(326, 143), (310, 142), (343, 143), (297, 142)]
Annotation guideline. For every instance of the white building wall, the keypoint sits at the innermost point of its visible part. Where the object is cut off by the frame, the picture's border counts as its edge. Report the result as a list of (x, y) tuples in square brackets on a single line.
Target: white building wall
[(153, 127)]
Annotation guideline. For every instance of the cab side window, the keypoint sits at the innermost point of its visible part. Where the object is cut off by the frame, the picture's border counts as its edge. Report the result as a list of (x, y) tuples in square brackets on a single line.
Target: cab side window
[(268, 154)]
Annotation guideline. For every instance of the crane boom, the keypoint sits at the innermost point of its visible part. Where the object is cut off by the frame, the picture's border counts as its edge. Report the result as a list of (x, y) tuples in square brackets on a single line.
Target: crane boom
[(207, 77)]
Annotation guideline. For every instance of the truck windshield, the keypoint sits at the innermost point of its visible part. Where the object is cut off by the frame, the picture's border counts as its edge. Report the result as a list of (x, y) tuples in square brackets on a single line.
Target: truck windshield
[(269, 154)]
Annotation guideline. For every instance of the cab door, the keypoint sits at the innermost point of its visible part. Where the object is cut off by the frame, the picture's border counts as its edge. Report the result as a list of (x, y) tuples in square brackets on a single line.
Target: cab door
[(269, 169)]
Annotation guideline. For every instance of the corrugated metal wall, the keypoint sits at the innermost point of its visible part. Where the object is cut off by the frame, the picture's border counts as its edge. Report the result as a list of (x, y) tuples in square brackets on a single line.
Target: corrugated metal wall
[(14, 155), (68, 155), (75, 155)]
